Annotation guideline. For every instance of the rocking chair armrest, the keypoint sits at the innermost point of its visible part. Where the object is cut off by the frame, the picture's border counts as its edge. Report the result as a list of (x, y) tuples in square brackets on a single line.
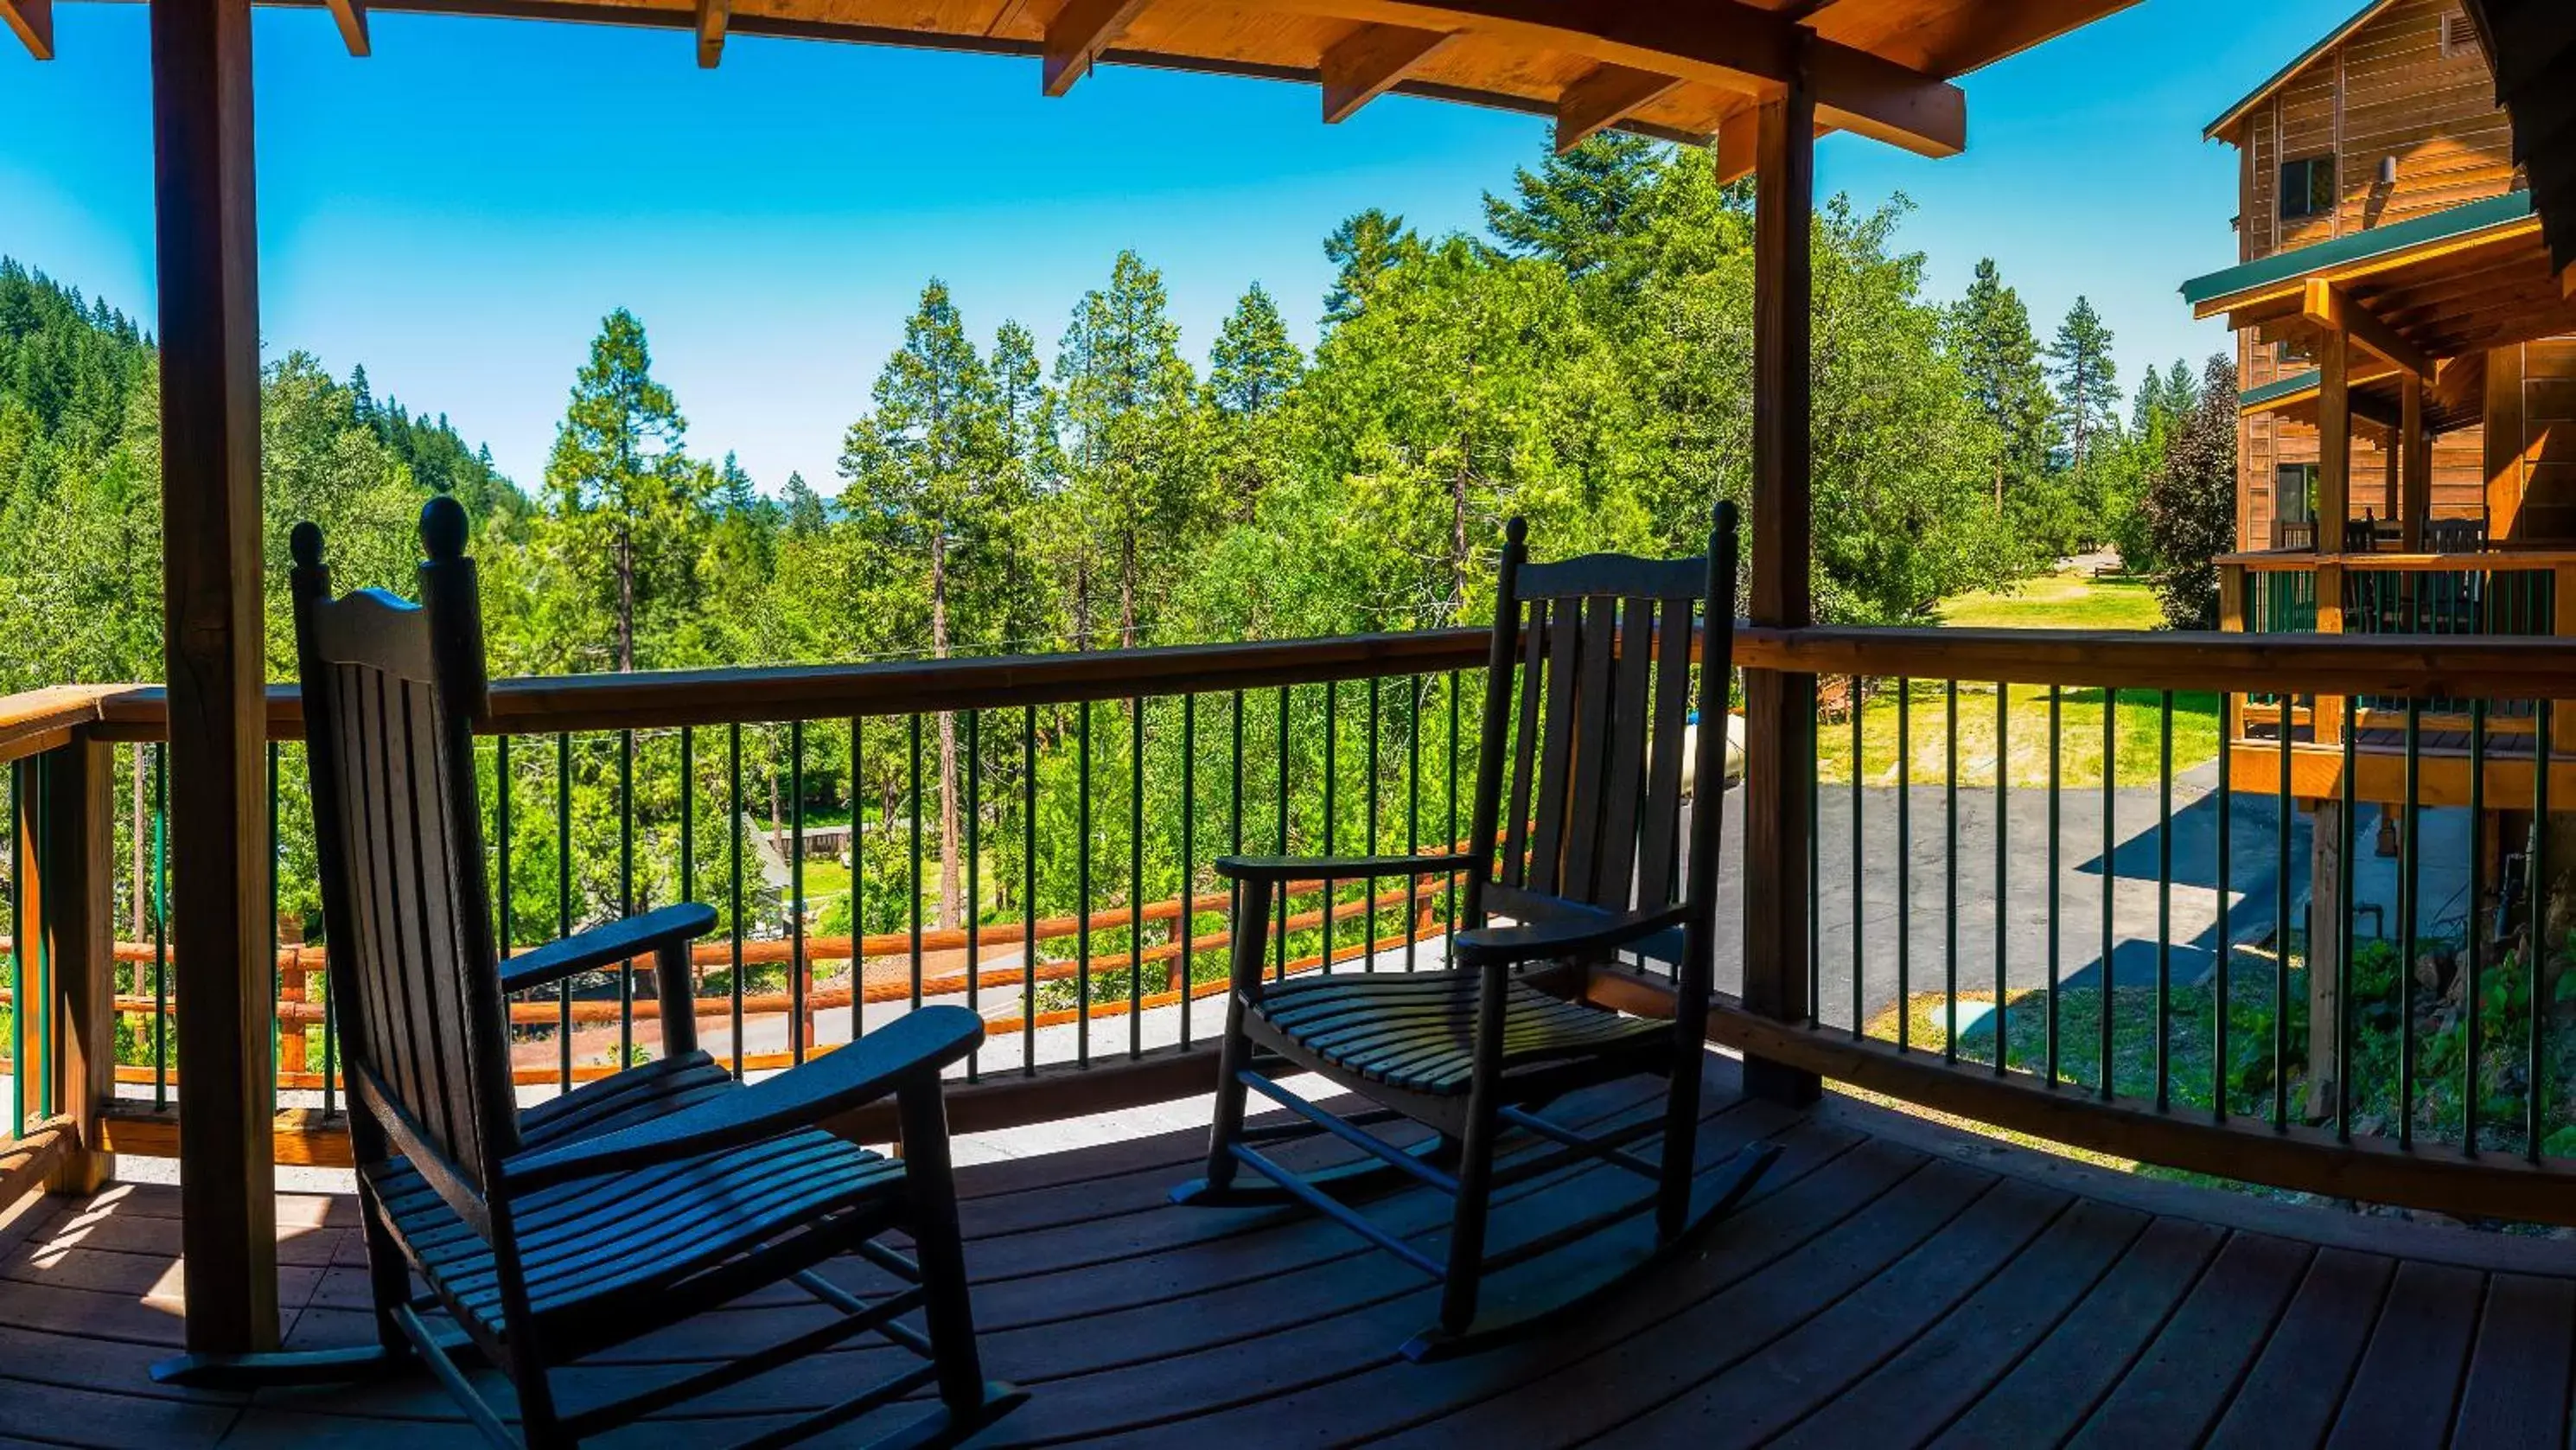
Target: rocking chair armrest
[(605, 946), (905, 1053), (1339, 868), (1492, 946)]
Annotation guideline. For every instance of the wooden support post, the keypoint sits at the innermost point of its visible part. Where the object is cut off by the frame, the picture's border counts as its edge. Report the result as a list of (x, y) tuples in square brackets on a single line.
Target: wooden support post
[(76, 859), (208, 247), (2414, 453), (1780, 714), (2327, 710), (2325, 951), (2334, 440)]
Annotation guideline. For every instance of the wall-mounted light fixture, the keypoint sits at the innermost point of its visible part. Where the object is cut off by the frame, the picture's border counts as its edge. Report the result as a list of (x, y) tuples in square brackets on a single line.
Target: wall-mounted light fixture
[(2388, 171)]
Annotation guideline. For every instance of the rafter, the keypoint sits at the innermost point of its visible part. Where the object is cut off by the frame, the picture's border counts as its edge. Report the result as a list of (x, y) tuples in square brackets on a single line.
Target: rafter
[(33, 21), (713, 17), (1724, 44), (1603, 97), (1078, 34), (1361, 65), (351, 16), (2331, 307)]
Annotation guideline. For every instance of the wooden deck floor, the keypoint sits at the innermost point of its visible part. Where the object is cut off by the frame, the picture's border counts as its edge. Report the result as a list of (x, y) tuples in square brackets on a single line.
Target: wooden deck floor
[(1891, 1284)]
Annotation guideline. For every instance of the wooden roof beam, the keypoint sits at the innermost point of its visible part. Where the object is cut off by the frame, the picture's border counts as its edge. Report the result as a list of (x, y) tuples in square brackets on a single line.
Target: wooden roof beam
[(351, 17), (1602, 97), (1725, 44), (1363, 64), (33, 21), (2330, 307), (713, 17), (1078, 34)]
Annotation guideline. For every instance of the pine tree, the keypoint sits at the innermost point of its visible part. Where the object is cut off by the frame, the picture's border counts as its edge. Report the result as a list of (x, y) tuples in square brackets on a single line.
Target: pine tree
[(1580, 209), (1989, 333), (1127, 399), (614, 472), (2087, 384), (1361, 249), (919, 466), (1254, 364)]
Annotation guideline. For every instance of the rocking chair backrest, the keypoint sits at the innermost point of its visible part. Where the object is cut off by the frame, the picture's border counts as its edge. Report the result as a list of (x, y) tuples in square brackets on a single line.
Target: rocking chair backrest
[(390, 691), (1593, 685)]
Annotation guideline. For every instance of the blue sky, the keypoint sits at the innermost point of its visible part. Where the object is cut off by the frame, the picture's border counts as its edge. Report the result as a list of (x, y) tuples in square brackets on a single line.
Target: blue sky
[(458, 211)]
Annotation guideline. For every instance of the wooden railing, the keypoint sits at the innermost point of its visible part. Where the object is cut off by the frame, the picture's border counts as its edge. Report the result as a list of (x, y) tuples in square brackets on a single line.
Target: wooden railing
[(2303, 1121)]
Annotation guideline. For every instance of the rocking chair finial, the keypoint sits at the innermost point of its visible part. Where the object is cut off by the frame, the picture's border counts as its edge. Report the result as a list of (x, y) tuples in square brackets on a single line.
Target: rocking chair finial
[(305, 544), (443, 528)]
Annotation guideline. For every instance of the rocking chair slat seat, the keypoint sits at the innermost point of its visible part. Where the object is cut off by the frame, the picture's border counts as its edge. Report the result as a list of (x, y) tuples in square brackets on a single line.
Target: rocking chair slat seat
[(1419, 1032), (667, 1189), (1595, 850)]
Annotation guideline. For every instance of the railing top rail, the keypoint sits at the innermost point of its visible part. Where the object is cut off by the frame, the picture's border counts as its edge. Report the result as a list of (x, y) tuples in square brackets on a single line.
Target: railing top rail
[(2510, 667), (39, 720), (2491, 559), (672, 698)]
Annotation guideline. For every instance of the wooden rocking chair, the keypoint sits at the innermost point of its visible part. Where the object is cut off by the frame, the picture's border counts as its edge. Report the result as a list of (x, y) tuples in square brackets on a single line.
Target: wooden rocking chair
[(1589, 865), (632, 1203)]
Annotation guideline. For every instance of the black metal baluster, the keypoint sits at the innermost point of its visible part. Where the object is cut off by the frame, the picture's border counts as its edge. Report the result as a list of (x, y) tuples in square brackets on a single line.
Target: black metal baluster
[(1368, 942), (974, 907), (1137, 877), (2344, 1039), (2003, 891), (2536, 943), (160, 925), (1332, 807), (563, 903), (1413, 817), (2317, 1031), (2110, 876), (1082, 892), (1287, 696), (2056, 882), (625, 893), (798, 990), (2473, 951), (688, 861), (733, 861), (1859, 870), (1234, 826), (2164, 900), (1185, 927), (1449, 946), (2220, 970), (912, 916), (1904, 864), (1029, 891), (1950, 872), (2406, 906)]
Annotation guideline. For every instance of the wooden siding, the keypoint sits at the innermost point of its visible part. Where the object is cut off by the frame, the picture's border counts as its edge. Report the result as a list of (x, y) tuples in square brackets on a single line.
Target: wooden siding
[(2388, 90)]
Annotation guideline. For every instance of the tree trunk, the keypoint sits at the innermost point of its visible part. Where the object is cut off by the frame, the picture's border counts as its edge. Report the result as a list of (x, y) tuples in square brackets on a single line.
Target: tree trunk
[(1458, 542), (948, 884), (625, 597), (1127, 589)]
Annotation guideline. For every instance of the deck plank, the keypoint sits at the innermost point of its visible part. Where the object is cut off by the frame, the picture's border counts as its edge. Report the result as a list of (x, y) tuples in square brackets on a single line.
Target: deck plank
[(1804, 1369), (2409, 1379), (2517, 1386), (2057, 1384), (1944, 1371), (2297, 1384), (2183, 1381)]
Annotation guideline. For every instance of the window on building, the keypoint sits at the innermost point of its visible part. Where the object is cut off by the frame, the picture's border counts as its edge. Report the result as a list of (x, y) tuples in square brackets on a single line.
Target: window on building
[(2307, 187), (2292, 353), (2294, 491)]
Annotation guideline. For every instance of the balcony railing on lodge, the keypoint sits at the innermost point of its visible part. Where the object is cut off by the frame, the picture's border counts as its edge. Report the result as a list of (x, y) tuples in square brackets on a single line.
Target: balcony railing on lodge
[(2103, 951)]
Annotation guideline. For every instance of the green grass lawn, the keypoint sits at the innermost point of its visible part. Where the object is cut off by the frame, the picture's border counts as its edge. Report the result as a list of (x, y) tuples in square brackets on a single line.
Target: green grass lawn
[(2060, 601)]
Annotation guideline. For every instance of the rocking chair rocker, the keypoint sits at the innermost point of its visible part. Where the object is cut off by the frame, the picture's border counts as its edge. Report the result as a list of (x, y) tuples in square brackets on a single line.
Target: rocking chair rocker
[(631, 1204), (1588, 866)]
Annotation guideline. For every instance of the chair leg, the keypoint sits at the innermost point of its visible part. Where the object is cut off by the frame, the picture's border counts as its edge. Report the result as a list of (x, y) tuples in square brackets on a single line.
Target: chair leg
[(1681, 1150), (388, 1278), (1236, 1054), (1467, 1222), (941, 1250)]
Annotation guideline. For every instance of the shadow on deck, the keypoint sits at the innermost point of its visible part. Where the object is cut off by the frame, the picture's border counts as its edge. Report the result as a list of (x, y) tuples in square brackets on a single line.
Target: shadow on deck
[(1891, 1283)]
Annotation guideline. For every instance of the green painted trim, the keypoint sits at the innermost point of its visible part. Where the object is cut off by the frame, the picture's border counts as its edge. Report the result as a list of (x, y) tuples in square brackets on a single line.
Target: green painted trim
[(2275, 391), (2306, 58), (2458, 221)]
